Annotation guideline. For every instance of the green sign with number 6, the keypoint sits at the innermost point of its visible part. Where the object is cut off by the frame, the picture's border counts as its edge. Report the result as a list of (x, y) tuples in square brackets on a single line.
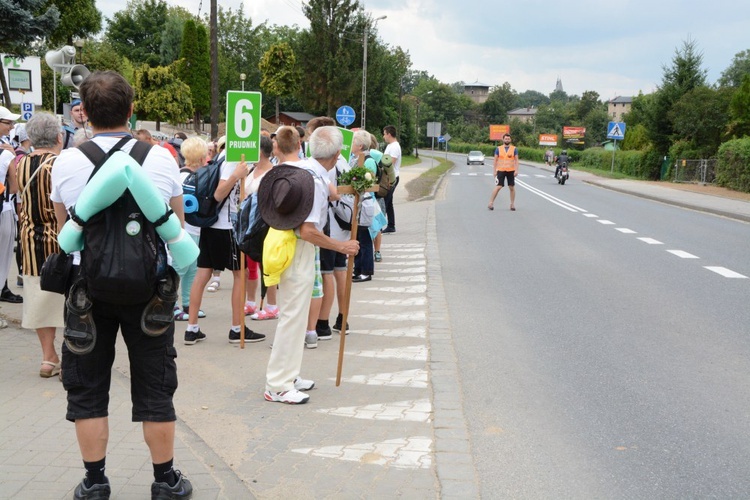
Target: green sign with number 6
[(243, 125)]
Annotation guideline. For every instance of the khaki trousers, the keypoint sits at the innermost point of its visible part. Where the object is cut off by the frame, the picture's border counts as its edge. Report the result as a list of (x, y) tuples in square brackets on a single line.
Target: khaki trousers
[(295, 293)]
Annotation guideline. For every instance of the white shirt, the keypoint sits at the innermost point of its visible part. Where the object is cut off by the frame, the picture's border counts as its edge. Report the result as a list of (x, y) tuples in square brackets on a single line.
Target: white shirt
[(73, 169), (336, 232), (233, 198), (6, 157), (319, 213), (394, 149)]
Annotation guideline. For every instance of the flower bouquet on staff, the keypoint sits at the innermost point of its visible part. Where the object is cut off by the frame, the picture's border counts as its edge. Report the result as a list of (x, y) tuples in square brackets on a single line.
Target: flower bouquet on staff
[(356, 181)]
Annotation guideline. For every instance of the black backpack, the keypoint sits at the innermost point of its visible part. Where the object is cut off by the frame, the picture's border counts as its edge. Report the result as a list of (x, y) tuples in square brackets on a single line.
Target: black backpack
[(250, 229), (123, 257), (202, 185)]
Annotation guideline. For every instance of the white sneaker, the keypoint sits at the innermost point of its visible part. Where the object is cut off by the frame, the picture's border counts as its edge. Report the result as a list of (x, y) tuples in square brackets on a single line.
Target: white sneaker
[(302, 384), (293, 397), (311, 340)]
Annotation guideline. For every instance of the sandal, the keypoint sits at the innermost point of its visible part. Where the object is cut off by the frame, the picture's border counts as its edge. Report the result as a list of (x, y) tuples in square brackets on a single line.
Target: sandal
[(52, 372), (264, 314), (184, 315), (214, 285)]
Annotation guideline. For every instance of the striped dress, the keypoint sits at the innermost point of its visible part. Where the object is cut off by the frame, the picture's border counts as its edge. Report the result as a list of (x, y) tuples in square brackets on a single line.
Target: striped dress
[(38, 225)]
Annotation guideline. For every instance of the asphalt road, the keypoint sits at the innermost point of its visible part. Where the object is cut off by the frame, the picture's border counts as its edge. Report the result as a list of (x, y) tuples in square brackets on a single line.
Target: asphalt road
[(599, 355)]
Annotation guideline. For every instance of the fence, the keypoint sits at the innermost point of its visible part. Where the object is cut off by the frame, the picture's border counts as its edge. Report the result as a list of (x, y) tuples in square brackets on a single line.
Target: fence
[(695, 171)]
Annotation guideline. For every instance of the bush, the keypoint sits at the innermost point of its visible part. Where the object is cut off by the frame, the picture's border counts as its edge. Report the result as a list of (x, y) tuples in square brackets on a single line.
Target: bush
[(733, 167)]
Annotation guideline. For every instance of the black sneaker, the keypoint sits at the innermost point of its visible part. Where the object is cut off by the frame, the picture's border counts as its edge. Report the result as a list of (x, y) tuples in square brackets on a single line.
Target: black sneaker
[(361, 278), (250, 336), (95, 492), (181, 489), (389, 230), (191, 338), (337, 325), (324, 332)]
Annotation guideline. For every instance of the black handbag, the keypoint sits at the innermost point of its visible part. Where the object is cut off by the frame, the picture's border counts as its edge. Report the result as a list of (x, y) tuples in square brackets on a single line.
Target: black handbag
[(56, 273)]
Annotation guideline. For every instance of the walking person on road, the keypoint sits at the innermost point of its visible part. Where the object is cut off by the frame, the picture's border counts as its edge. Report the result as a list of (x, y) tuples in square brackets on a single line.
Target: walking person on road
[(506, 167)]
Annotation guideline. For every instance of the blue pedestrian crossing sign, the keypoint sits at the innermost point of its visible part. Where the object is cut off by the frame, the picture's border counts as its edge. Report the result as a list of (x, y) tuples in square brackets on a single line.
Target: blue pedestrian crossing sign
[(616, 130), (345, 115)]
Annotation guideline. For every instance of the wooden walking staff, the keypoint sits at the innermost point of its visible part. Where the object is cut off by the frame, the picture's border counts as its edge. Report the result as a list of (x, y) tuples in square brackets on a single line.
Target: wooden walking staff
[(349, 270)]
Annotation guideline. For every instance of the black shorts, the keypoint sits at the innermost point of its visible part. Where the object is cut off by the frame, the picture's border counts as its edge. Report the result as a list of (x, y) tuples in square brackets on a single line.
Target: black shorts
[(218, 250), (501, 175), (331, 260), (153, 371)]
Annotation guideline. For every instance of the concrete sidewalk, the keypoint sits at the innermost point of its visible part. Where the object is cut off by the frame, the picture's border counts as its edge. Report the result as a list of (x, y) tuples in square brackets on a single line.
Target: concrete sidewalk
[(387, 431)]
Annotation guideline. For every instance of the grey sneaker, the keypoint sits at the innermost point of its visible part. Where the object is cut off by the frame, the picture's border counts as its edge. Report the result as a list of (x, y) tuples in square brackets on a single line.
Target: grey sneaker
[(302, 384), (378, 257), (181, 489), (95, 492), (311, 340)]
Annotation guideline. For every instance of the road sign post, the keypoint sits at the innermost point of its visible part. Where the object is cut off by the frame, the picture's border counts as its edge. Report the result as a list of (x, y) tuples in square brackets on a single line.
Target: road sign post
[(615, 131), (243, 126), (345, 115)]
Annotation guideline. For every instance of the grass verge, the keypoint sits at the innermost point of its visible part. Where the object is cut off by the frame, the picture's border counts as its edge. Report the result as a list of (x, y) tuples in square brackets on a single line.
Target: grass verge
[(424, 184)]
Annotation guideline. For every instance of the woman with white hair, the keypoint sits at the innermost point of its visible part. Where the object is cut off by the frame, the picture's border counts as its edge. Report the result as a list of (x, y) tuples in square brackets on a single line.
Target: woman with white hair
[(42, 310)]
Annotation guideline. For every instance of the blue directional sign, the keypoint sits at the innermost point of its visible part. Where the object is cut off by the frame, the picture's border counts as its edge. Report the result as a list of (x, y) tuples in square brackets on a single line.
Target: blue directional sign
[(27, 110), (345, 115), (441, 138), (616, 130)]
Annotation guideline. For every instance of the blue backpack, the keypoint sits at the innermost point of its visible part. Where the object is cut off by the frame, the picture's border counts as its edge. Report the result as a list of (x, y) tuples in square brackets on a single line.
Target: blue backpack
[(198, 189)]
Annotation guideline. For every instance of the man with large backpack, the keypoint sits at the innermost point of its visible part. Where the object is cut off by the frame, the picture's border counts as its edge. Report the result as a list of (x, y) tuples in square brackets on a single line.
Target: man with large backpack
[(108, 98)]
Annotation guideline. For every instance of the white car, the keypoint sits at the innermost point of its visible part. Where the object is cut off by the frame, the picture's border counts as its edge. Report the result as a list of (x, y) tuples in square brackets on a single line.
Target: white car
[(475, 157)]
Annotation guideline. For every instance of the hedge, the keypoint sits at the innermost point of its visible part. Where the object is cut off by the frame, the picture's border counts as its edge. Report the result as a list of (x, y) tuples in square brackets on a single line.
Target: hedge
[(733, 167)]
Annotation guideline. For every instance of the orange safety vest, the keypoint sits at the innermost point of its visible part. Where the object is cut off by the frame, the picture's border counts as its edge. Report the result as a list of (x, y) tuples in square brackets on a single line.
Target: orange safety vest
[(506, 159)]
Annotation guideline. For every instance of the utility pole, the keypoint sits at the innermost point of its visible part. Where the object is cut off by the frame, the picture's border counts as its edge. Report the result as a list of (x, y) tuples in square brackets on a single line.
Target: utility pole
[(214, 71)]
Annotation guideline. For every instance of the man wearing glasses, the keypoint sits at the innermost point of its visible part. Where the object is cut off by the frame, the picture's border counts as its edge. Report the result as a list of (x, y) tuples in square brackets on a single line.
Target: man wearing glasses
[(8, 214)]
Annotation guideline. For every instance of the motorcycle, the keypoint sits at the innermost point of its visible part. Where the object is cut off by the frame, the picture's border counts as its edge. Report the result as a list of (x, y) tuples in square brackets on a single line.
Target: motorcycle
[(562, 174)]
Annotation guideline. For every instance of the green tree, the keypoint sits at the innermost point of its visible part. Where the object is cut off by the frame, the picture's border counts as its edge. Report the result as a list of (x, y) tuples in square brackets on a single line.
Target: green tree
[(740, 109), (681, 77), (530, 98), (736, 72), (136, 31), (699, 117), (171, 37), (161, 96), (194, 69), (78, 19), (500, 100), (280, 75), (596, 126), (331, 54), (588, 103), (30, 23)]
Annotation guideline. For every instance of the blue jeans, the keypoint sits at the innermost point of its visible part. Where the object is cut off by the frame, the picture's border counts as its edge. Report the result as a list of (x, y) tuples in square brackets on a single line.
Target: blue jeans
[(364, 262)]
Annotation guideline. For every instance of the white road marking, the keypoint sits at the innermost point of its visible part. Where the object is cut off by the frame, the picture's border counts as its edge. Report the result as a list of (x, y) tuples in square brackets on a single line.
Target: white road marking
[(625, 230), (455, 173), (402, 453), (404, 270), (605, 222), (727, 273), (399, 289), (414, 255), (419, 410), (416, 379), (651, 241), (541, 176), (564, 204), (409, 353), (411, 279), (592, 216), (391, 263), (473, 174), (413, 301), (682, 254), (412, 316), (417, 332), (403, 245)]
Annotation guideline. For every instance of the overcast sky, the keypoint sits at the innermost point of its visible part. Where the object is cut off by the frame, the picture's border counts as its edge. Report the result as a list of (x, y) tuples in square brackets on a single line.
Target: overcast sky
[(615, 47)]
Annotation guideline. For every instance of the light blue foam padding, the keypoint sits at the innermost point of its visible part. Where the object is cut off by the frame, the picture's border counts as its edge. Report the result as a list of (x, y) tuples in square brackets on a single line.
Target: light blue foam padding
[(118, 173), (190, 202), (371, 165), (376, 155)]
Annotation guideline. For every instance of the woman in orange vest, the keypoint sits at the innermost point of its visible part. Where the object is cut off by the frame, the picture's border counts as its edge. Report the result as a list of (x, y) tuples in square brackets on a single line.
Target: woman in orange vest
[(506, 167)]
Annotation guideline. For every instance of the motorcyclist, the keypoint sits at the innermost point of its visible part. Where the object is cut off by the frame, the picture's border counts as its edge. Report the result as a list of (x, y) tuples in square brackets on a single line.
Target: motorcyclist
[(563, 159)]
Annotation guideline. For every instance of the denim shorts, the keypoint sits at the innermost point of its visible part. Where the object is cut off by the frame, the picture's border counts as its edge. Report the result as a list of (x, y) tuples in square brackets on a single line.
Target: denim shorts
[(331, 260), (153, 371)]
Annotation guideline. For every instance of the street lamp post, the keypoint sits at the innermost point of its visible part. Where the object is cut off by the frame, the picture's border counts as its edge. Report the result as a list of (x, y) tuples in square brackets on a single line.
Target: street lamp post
[(364, 74), (242, 79)]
